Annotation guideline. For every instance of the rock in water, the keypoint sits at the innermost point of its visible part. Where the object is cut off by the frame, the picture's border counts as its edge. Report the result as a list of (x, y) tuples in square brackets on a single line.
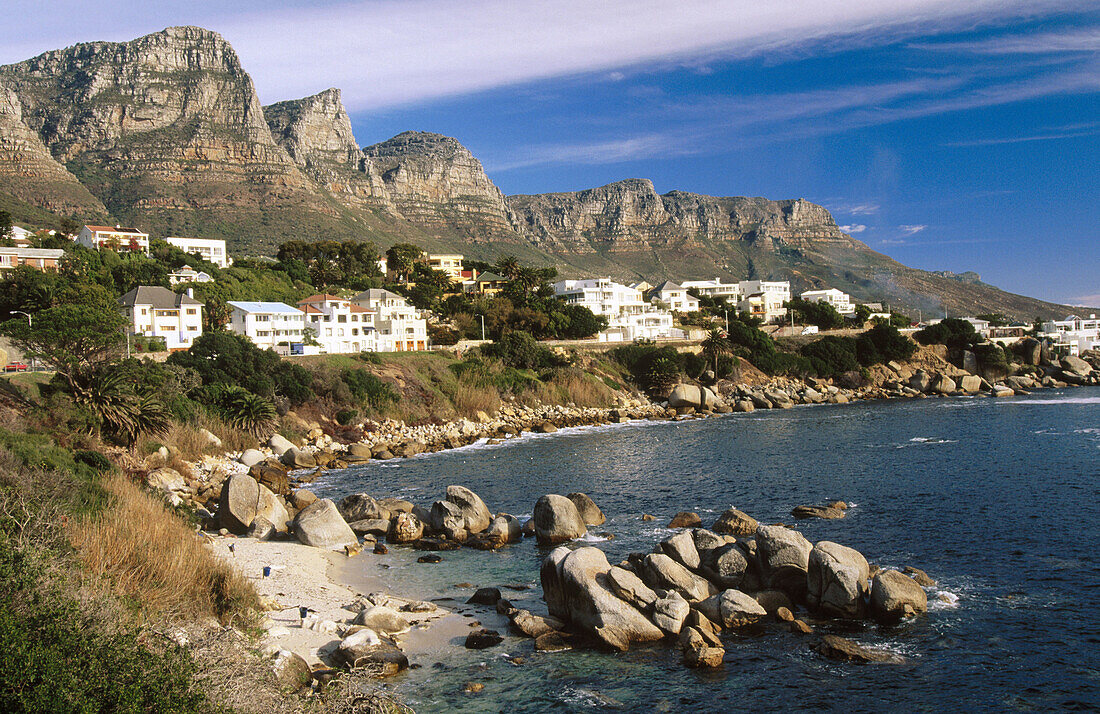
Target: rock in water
[(845, 650), (681, 548), (405, 528), (826, 512), (670, 612), (447, 518), (485, 596), (575, 583), (784, 555), (483, 639), (894, 596), (240, 498), (836, 580), (727, 566), (630, 587), (732, 608), (321, 526), (663, 572), (383, 620), (734, 522), (504, 529), (475, 514), (557, 520), (534, 626), (590, 512), (685, 519), (700, 653), (361, 507)]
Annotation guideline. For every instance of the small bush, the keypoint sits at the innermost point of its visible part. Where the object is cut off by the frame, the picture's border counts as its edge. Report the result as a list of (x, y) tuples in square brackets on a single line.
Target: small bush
[(346, 416), (953, 332), (97, 461), (521, 351), (368, 388)]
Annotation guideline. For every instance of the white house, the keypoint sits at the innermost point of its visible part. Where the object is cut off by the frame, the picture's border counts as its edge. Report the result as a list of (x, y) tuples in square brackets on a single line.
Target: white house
[(338, 326), (20, 236), (675, 296), (212, 250), (764, 298), (118, 239), (154, 311), (398, 326), (1073, 334), (187, 274), (731, 292), (270, 325), (840, 300), (629, 316)]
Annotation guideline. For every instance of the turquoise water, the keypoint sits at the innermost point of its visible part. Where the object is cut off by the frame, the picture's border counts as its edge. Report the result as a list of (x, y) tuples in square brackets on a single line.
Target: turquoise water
[(996, 499)]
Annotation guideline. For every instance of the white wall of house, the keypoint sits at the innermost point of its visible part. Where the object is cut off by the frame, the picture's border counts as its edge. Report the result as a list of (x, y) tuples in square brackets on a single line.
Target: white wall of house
[(764, 298), (212, 250), (451, 264), (678, 299), (398, 325), (714, 289), (629, 316), (840, 300), (339, 326), (178, 326), (269, 325), (1074, 334), (98, 237)]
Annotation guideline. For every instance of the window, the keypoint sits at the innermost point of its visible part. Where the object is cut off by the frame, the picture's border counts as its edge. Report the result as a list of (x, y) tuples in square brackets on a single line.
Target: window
[(190, 311), (341, 318)]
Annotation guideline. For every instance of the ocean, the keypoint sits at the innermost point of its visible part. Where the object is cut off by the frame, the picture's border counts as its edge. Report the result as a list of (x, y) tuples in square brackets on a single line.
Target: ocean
[(997, 499)]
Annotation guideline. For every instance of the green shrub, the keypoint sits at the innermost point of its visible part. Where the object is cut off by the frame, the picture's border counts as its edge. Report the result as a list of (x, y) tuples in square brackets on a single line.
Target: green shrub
[(249, 412), (522, 351), (953, 332), (368, 388), (93, 459), (831, 355), (346, 416), (883, 343)]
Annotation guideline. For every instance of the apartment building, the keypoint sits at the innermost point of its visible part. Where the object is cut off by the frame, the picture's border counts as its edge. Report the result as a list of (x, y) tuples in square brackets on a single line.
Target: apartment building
[(338, 326), (40, 258), (269, 325), (398, 326), (1074, 334), (451, 264), (118, 239), (212, 250), (153, 311), (675, 296), (628, 314), (716, 289), (840, 300), (764, 298)]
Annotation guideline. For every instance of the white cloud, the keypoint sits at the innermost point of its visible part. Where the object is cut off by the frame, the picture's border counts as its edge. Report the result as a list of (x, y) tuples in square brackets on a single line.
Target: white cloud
[(1075, 40), (857, 228), (393, 52), (1086, 300), (911, 229), (1067, 132)]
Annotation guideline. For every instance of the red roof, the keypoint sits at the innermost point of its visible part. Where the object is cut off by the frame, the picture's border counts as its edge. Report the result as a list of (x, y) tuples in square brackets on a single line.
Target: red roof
[(323, 297)]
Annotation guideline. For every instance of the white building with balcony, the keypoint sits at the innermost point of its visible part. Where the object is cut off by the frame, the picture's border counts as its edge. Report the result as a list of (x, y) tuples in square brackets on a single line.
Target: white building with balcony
[(270, 325), (153, 311), (1073, 334), (212, 250), (716, 289), (118, 239), (628, 315), (675, 296), (398, 326), (840, 300), (764, 298), (338, 326)]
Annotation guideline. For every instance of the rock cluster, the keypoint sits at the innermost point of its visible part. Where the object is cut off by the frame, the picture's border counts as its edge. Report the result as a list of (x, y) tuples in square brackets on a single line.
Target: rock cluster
[(698, 583)]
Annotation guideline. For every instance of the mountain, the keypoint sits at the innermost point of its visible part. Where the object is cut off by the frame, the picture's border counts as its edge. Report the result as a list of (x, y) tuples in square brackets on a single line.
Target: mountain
[(166, 132)]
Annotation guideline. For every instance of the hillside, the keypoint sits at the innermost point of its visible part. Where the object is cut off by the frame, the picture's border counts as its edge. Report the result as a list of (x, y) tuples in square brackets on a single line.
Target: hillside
[(166, 132)]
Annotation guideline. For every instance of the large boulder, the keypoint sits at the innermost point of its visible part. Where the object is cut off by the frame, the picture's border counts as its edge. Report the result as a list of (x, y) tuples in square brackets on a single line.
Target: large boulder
[(732, 608), (447, 518), (1075, 365), (365, 649), (405, 528), (165, 479), (1030, 350), (727, 566), (942, 384), (251, 457), (685, 519), (383, 620), (971, 384), (297, 459), (784, 557), (630, 587), (321, 526), (894, 596), (681, 548), (836, 581), (362, 507), (550, 576), (590, 512), (279, 444), (686, 395), (920, 381), (291, 670), (475, 514), (734, 522), (557, 520), (239, 500), (698, 652), (270, 507), (589, 602), (844, 650), (670, 612), (661, 571), (504, 529)]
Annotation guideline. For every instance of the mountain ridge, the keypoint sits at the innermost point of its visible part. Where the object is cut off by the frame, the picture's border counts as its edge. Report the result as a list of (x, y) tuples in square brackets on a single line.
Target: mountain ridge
[(167, 131)]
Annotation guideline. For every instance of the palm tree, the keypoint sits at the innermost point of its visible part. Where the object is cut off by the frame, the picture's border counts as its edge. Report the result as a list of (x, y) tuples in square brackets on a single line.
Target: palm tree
[(508, 266), (716, 344), (249, 412)]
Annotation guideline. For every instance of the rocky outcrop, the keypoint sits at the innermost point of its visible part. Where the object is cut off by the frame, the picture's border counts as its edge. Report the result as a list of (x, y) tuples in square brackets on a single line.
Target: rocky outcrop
[(894, 596), (837, 580), (321, 526), (557, 520)]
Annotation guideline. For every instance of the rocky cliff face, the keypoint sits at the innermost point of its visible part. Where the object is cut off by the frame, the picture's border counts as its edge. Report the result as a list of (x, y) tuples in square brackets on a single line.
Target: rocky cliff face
[(160, 127), (28, 171), (436, 183), (630, 215)]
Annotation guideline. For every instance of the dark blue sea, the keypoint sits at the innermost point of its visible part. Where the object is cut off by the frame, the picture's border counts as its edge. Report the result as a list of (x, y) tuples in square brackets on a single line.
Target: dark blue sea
[(998, 500)]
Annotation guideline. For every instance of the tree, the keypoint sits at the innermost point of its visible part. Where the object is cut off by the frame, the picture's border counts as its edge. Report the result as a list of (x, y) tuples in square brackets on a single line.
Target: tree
[(401, 257), (5, 224), (953, 332), (863, 313), (508, 266), (716, 344), (74, 338), (822, 314)]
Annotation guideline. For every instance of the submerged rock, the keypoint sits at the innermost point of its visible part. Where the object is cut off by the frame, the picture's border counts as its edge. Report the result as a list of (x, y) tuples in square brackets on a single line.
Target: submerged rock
[(844, 650), (894, 596), (685, 519)]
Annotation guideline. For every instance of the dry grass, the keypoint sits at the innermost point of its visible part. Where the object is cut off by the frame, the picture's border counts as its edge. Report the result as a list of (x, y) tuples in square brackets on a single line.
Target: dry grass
[(569, 386), (470, 398), (152, 556), (192, 444)]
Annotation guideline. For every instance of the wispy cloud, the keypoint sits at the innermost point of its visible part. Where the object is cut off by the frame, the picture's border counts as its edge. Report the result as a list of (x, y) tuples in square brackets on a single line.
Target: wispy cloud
[(1075, 40), (1086, 300), (911, 229), (857, 228), (597, 152), (1074, 131), (394, 52)]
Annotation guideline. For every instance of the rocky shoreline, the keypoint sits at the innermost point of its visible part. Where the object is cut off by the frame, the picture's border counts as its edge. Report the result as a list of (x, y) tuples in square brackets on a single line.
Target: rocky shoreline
[(261, 493)]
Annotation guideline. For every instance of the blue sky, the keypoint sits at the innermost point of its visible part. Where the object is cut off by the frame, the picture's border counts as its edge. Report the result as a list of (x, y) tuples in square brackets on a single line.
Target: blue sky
[(957, 136)]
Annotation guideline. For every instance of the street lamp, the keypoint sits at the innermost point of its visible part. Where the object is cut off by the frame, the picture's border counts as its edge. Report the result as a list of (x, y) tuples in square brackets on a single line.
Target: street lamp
[(482, 328), (30, 324)]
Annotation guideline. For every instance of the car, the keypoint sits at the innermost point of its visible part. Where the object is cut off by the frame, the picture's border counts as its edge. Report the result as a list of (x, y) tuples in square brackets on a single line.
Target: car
[(16, 367)]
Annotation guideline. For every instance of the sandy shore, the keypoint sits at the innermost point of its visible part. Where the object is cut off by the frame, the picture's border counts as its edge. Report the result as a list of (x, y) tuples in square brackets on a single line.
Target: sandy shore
[(303, 576)]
